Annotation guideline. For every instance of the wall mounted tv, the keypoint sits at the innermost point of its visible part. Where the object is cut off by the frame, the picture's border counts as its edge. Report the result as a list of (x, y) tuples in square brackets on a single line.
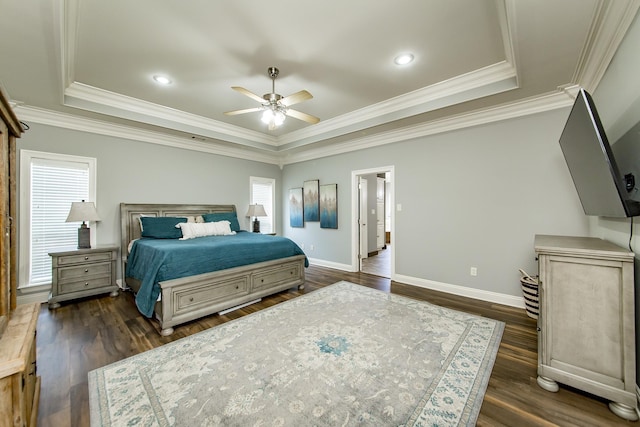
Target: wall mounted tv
[(603, 188)]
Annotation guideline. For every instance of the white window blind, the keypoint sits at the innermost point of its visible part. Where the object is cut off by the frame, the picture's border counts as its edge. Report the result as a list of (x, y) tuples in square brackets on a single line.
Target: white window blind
[(263, 192), (53, 184)]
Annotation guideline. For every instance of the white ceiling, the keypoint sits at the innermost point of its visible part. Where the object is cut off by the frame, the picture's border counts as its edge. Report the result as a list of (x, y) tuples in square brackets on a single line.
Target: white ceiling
[(88, 64)]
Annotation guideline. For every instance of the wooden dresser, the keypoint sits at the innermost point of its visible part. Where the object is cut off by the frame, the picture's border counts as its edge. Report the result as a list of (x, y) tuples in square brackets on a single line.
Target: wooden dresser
[(586, 325), (19, 383)]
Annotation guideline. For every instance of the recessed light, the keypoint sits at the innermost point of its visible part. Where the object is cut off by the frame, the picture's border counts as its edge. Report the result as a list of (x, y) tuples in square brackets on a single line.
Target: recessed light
[(163, 80), (403, 59)]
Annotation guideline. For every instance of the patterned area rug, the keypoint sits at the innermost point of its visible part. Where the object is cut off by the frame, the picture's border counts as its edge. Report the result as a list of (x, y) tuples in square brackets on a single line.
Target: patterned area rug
[(341, 355)]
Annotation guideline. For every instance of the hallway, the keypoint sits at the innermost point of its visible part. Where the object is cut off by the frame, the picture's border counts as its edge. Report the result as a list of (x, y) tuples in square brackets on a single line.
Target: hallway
[(380, 264)]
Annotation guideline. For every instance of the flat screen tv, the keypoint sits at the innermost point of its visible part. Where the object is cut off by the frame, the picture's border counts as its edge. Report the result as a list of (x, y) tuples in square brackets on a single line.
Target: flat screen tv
[(603, 189)]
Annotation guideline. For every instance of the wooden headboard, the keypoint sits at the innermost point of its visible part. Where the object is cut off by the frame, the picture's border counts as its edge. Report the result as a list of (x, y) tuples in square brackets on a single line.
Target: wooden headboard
[(130, 219)]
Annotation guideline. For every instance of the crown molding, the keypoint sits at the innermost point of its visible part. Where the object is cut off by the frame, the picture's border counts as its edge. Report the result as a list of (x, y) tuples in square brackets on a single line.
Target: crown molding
[(87, 97), (68, 121), (610, 23), (486, 81), (564, 97)]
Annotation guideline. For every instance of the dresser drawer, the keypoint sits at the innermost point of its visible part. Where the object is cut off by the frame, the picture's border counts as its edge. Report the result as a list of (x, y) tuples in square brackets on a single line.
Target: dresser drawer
[(87, 270), (278, 275), (84, 258), (205, 295), (83, 285)]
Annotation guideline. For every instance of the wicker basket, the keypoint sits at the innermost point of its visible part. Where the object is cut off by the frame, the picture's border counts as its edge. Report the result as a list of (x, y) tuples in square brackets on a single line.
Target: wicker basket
[(529, 287)]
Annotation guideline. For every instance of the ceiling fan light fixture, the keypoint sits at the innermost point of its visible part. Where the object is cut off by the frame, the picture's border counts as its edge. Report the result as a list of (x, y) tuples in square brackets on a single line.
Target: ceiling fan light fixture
[(273, 117), (275, 107)]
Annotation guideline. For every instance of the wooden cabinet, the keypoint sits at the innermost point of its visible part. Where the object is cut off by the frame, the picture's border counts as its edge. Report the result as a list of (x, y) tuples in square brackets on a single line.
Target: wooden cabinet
[(19, 383), (10, 129), (587, 324), (80, 273)]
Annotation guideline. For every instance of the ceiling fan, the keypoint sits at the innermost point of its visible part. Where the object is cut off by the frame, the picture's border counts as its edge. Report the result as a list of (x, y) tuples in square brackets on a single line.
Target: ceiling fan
[(274, 106)]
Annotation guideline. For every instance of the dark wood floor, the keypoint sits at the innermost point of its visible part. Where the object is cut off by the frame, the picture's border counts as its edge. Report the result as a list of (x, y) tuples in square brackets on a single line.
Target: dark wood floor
[(90, 333)]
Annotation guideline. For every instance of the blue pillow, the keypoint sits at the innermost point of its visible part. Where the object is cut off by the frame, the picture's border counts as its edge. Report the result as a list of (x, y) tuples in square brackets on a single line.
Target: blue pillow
[(223, 216), (163, 227)]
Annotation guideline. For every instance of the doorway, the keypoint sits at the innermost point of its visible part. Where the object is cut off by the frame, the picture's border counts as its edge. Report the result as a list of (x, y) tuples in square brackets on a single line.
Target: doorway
[(373, 251)]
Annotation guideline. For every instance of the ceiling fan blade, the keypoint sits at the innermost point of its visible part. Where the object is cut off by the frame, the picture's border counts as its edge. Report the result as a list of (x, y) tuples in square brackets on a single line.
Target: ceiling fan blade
[(247, 110), (303, 116), (303, 95), (249, 94)]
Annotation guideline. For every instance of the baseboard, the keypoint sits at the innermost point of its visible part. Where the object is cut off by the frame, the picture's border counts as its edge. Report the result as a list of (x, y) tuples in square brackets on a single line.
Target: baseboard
[(32, 297), (329, 264), (489, 296)]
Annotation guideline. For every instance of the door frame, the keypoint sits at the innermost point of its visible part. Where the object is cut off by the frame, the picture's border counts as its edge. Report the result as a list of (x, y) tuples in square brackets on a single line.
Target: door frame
[(363, 238), (355, 215)]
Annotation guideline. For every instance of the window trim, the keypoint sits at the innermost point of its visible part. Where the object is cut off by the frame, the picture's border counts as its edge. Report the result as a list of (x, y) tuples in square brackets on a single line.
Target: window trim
[(274, 209), (24, 229)]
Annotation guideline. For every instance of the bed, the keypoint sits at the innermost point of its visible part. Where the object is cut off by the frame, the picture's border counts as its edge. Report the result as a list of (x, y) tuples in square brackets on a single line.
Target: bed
[(270, 265)]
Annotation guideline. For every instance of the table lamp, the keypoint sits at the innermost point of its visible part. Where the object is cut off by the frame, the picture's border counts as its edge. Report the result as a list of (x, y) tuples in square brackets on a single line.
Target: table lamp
[(83, 211), (256, 211)]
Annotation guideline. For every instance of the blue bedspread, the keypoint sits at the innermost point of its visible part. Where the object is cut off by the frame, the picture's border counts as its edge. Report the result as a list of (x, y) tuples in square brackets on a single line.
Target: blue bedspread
[(154, 260)]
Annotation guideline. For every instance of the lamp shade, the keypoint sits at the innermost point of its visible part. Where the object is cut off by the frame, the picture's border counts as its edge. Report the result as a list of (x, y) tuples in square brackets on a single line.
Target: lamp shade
[(82, 211), (256, 210)]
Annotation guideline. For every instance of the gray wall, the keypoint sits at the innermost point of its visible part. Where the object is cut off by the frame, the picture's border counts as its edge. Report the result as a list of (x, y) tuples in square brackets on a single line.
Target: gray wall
[(138, 172), (472, 197)]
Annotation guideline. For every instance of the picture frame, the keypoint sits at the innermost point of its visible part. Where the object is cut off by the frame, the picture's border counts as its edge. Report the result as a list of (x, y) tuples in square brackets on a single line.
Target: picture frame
[(311, 192), (329, 206), (296, 207)]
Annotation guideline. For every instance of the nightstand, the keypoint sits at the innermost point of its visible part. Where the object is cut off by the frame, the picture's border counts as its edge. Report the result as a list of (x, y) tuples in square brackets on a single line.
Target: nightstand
[(80, 273)]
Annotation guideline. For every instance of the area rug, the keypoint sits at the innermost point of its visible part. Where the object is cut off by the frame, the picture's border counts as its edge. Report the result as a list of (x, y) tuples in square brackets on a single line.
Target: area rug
[(342, 355)]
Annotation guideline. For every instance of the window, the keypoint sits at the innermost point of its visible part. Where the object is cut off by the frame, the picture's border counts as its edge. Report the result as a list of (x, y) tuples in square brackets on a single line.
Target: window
[(263, 192), (48, 184)]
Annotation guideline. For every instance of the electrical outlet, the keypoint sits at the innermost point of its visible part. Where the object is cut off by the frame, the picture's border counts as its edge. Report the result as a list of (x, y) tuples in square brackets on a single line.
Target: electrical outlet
[(310, 247), (473, 271)]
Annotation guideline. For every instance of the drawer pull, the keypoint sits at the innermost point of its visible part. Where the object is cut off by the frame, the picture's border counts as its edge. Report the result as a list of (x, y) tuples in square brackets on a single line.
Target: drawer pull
[(86, 258), (261, 280), (191, 299), (86, 270), (237, 287), (86, 283)]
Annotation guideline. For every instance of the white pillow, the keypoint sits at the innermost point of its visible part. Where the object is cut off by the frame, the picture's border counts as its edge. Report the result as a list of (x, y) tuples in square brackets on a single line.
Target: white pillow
[(198, 218), (191, 230)]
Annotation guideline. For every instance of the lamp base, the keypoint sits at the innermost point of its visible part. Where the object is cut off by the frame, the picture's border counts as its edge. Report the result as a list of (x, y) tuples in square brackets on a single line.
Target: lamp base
[(84, 237), (256, 225)]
